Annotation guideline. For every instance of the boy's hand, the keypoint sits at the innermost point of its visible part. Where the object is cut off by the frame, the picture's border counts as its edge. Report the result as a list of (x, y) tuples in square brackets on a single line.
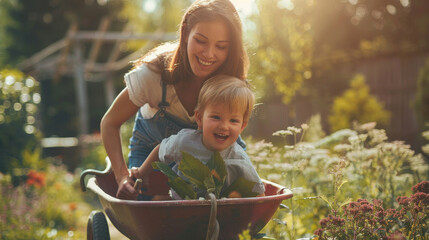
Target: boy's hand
[(134, 173), (137, 175)]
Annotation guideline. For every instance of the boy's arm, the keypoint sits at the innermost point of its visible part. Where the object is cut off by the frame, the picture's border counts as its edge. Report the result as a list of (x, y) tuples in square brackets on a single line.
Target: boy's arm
[(146, 168)]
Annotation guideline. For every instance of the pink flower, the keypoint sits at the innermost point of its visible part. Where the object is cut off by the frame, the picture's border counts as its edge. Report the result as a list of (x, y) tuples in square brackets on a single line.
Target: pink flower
[(362, 201), (404, 201), (318, 232), (380, 214), (332, 221), (420, 197), (366, 208), (421, 187), (396, 236)]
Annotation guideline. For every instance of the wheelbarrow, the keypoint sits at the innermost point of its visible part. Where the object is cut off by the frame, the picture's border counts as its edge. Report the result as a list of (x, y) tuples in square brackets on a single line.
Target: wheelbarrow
[(176, 219)]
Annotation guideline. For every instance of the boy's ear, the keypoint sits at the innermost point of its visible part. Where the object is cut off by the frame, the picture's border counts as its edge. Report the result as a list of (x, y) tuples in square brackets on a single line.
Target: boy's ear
[(244, 125), (199, 119)]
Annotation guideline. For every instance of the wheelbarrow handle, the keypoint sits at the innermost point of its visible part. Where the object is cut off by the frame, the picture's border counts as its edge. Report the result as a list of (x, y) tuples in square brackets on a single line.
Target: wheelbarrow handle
[(138, 184), (94, 172)]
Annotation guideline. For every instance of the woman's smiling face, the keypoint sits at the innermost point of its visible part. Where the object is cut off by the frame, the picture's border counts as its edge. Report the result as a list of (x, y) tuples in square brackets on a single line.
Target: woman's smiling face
[(208, 47)]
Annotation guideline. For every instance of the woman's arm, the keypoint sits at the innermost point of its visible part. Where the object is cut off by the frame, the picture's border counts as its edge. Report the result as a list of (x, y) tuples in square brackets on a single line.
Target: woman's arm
[(119, 112)]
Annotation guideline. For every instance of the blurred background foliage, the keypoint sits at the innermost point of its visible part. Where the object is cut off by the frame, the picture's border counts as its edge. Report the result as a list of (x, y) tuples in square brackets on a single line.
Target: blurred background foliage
[(422, 96), (20, 134), (312, 37), (357, 104), (300, 50)]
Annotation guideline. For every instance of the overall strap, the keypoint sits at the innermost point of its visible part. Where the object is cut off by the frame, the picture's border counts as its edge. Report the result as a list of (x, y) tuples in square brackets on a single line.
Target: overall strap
[(163, 104)]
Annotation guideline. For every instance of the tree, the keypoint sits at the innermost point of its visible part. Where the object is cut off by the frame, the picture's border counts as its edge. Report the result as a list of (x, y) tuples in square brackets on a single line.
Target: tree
[(296, 41), (283, 55)]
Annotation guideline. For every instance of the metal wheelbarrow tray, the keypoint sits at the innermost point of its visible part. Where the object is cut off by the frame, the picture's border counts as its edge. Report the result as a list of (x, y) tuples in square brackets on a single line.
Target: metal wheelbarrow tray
[(181, 219)]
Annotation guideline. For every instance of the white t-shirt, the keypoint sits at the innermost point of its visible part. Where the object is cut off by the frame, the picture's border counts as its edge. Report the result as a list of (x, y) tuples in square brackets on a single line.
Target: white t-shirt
[(236, 160), (145, 90)]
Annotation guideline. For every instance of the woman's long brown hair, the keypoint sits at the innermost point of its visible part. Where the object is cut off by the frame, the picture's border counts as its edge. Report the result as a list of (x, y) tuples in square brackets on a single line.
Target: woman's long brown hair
[(171, 59)]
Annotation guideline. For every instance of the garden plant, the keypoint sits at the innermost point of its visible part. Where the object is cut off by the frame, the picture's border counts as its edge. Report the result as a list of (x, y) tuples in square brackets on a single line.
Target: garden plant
[(336, 175)]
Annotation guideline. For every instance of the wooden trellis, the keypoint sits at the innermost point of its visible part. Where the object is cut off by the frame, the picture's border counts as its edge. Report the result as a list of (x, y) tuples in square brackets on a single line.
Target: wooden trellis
[(67, 57)]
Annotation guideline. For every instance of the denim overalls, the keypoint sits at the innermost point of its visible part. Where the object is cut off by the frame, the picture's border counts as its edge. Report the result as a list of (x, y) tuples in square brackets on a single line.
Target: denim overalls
[(148, 133)]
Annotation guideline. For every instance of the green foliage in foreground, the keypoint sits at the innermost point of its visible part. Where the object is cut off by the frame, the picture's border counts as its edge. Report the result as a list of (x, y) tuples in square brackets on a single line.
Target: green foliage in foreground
[(330, 173), (204, 179)]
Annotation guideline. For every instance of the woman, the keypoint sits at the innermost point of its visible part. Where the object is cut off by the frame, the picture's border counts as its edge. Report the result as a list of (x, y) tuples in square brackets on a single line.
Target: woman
[(164, 85)]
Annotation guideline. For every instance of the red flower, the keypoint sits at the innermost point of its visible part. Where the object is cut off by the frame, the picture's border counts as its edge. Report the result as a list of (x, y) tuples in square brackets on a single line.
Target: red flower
[(318, 232), (378, 204), (352, 208), (35, 178), (421, 187), (366, 208), (396, 236), (362, 201), (72, 206), (420, 197), (404, 201), (332, 221), (380, 214)]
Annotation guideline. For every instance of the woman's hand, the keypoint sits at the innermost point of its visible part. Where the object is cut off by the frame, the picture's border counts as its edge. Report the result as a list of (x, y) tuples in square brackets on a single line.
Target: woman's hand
[(126, 188), (121, 110)]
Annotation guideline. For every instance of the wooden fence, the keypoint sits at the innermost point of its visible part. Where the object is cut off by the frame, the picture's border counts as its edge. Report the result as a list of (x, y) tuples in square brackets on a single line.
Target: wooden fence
[(77, 55), (392, 80)]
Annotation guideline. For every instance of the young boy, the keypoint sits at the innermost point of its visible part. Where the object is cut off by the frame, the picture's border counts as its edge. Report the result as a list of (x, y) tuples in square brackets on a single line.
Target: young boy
[(224, 106)]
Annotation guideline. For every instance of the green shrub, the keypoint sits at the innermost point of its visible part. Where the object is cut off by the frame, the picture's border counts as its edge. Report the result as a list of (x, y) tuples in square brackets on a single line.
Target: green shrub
[(357, 104), (19, 97)]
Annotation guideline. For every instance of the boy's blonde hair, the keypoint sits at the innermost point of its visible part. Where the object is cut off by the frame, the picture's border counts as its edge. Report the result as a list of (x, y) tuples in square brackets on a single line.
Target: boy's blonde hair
[(230, 91)]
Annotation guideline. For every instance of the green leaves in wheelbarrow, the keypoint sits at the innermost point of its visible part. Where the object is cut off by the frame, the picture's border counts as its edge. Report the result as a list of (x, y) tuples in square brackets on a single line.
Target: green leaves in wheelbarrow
[(241, 187), (180, 186), (204, 179), (218, 171), (210, 178), (194, 170)]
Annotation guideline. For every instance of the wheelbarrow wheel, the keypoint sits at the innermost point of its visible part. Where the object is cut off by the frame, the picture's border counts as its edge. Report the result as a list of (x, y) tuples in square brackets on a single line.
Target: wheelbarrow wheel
[(97, 228)]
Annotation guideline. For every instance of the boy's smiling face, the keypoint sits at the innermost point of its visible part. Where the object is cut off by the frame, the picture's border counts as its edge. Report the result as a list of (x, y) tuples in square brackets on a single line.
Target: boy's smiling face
[(221, 126)]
